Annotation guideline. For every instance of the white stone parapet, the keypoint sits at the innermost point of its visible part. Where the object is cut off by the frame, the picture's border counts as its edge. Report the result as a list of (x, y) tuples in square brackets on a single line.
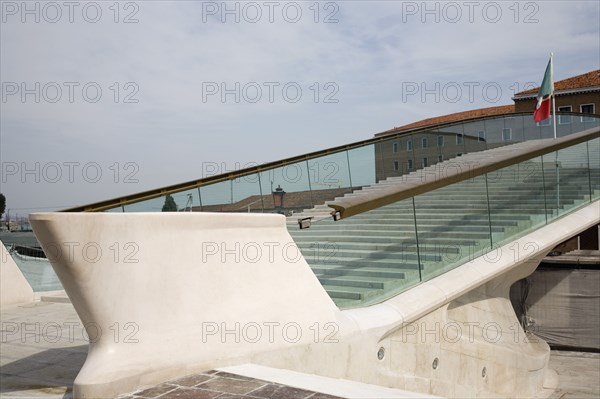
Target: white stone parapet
[(163, 295)]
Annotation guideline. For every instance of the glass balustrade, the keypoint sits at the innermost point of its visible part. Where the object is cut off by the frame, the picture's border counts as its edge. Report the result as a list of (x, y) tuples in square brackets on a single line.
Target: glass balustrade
[(450, 226), (372, 256)]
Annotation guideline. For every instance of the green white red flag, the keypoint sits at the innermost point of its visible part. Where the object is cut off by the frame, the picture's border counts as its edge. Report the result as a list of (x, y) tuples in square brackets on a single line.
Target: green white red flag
[(542, 108)]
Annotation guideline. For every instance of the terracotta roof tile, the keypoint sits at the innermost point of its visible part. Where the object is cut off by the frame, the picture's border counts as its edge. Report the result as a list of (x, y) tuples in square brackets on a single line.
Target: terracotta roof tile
[(586, 80), (589, 79), (491, 111)]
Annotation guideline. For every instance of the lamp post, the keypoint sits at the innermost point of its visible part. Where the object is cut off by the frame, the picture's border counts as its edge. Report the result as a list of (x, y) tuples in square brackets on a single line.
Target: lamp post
[(278, 199)]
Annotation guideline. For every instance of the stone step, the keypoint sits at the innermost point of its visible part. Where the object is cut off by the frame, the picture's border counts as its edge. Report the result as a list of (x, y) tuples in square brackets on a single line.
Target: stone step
[(367, 271), (424, 226), (329, 248), (356, 281), (354, 293), (377, 236), (361, 258)]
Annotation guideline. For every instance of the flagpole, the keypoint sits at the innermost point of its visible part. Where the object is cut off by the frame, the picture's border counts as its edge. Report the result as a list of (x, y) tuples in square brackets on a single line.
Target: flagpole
[(557, 166), (553, 100)]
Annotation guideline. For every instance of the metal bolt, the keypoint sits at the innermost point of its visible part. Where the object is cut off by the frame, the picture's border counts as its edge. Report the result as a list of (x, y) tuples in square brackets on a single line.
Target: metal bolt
[(380, 353), (435, 363)]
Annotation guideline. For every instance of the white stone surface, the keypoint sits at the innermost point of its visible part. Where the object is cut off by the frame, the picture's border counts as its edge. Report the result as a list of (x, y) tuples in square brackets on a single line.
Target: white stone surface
[(14, 288), (167, 294), (149, 287), (330, 386)]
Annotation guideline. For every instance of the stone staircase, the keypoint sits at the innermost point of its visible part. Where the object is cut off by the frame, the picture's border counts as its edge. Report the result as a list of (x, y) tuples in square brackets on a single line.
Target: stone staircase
[(372, 256)]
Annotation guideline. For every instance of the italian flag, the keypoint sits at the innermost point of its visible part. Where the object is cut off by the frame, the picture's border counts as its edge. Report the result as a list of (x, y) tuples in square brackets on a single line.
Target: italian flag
[(542, 108)]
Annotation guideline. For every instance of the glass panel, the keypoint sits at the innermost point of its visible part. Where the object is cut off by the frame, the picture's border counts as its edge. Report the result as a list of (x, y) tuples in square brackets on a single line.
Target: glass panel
[(493, 131), (454, 141), (594, 159), (247, 196), (452, 225), (577, 125), (567, 179), (516, 196), (475, 137), (574, 179), (366, 258), (287, 189), (217, 197), (513, 129), (391, 163), (379, 159), (329, 177), (551, 184), (188, 201), (426, 149), (531, 130), (546, 127), (564, 125), (151, 205), (362, 165), (408, 162)]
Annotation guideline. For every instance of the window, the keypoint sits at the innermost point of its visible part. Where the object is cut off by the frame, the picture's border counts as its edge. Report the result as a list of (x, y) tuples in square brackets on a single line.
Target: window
[(424, 143), (587, 109), (440, 141), (395, 147), (424, 163), (440, 158), (396, 165), (507, 134), (459, 138), (564, 119), (408, 145), (410, 164), (481, 135)]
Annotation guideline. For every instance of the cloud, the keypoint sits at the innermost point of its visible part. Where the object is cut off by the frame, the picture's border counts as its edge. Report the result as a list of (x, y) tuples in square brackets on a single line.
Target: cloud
[(155, 111)]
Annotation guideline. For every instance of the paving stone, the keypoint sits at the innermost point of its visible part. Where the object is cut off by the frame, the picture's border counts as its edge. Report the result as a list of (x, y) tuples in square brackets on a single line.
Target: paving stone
[(191, 380), (27, 387), (41, 368), (235, 376), (191, 393), (155, 391), (54, 373), (276, 391), (318, 395), (234, 396), (230, 385)]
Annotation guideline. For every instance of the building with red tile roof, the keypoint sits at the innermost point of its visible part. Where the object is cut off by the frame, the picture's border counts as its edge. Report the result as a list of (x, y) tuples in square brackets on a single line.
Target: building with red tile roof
[(579, 93), (396, 157)]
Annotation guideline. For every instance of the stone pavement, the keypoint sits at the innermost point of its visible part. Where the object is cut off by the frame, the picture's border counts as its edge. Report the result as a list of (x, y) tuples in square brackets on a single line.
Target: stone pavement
[(217, 384), (43, 346), (578, 374)]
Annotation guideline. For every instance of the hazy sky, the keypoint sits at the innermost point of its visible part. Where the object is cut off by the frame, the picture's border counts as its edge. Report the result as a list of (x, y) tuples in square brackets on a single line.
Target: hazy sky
[(101, 99)]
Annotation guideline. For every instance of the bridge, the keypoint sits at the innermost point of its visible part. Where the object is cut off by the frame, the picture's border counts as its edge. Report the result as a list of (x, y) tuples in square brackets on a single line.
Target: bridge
[(403, 281)]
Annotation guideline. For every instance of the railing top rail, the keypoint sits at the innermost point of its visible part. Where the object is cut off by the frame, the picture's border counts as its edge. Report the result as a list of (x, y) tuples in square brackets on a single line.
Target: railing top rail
[(179, 187), (351, 206)]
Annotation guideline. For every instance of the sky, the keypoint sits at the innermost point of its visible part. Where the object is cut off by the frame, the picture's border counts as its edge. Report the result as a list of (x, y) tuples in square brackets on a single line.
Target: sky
[(102, 99)]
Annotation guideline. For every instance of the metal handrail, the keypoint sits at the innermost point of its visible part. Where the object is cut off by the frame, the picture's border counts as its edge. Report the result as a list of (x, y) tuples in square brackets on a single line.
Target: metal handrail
[(193, 184)]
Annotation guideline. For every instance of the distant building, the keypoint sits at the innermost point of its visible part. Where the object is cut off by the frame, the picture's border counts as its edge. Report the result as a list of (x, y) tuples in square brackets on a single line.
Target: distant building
[(579, 93), (397, 157)]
